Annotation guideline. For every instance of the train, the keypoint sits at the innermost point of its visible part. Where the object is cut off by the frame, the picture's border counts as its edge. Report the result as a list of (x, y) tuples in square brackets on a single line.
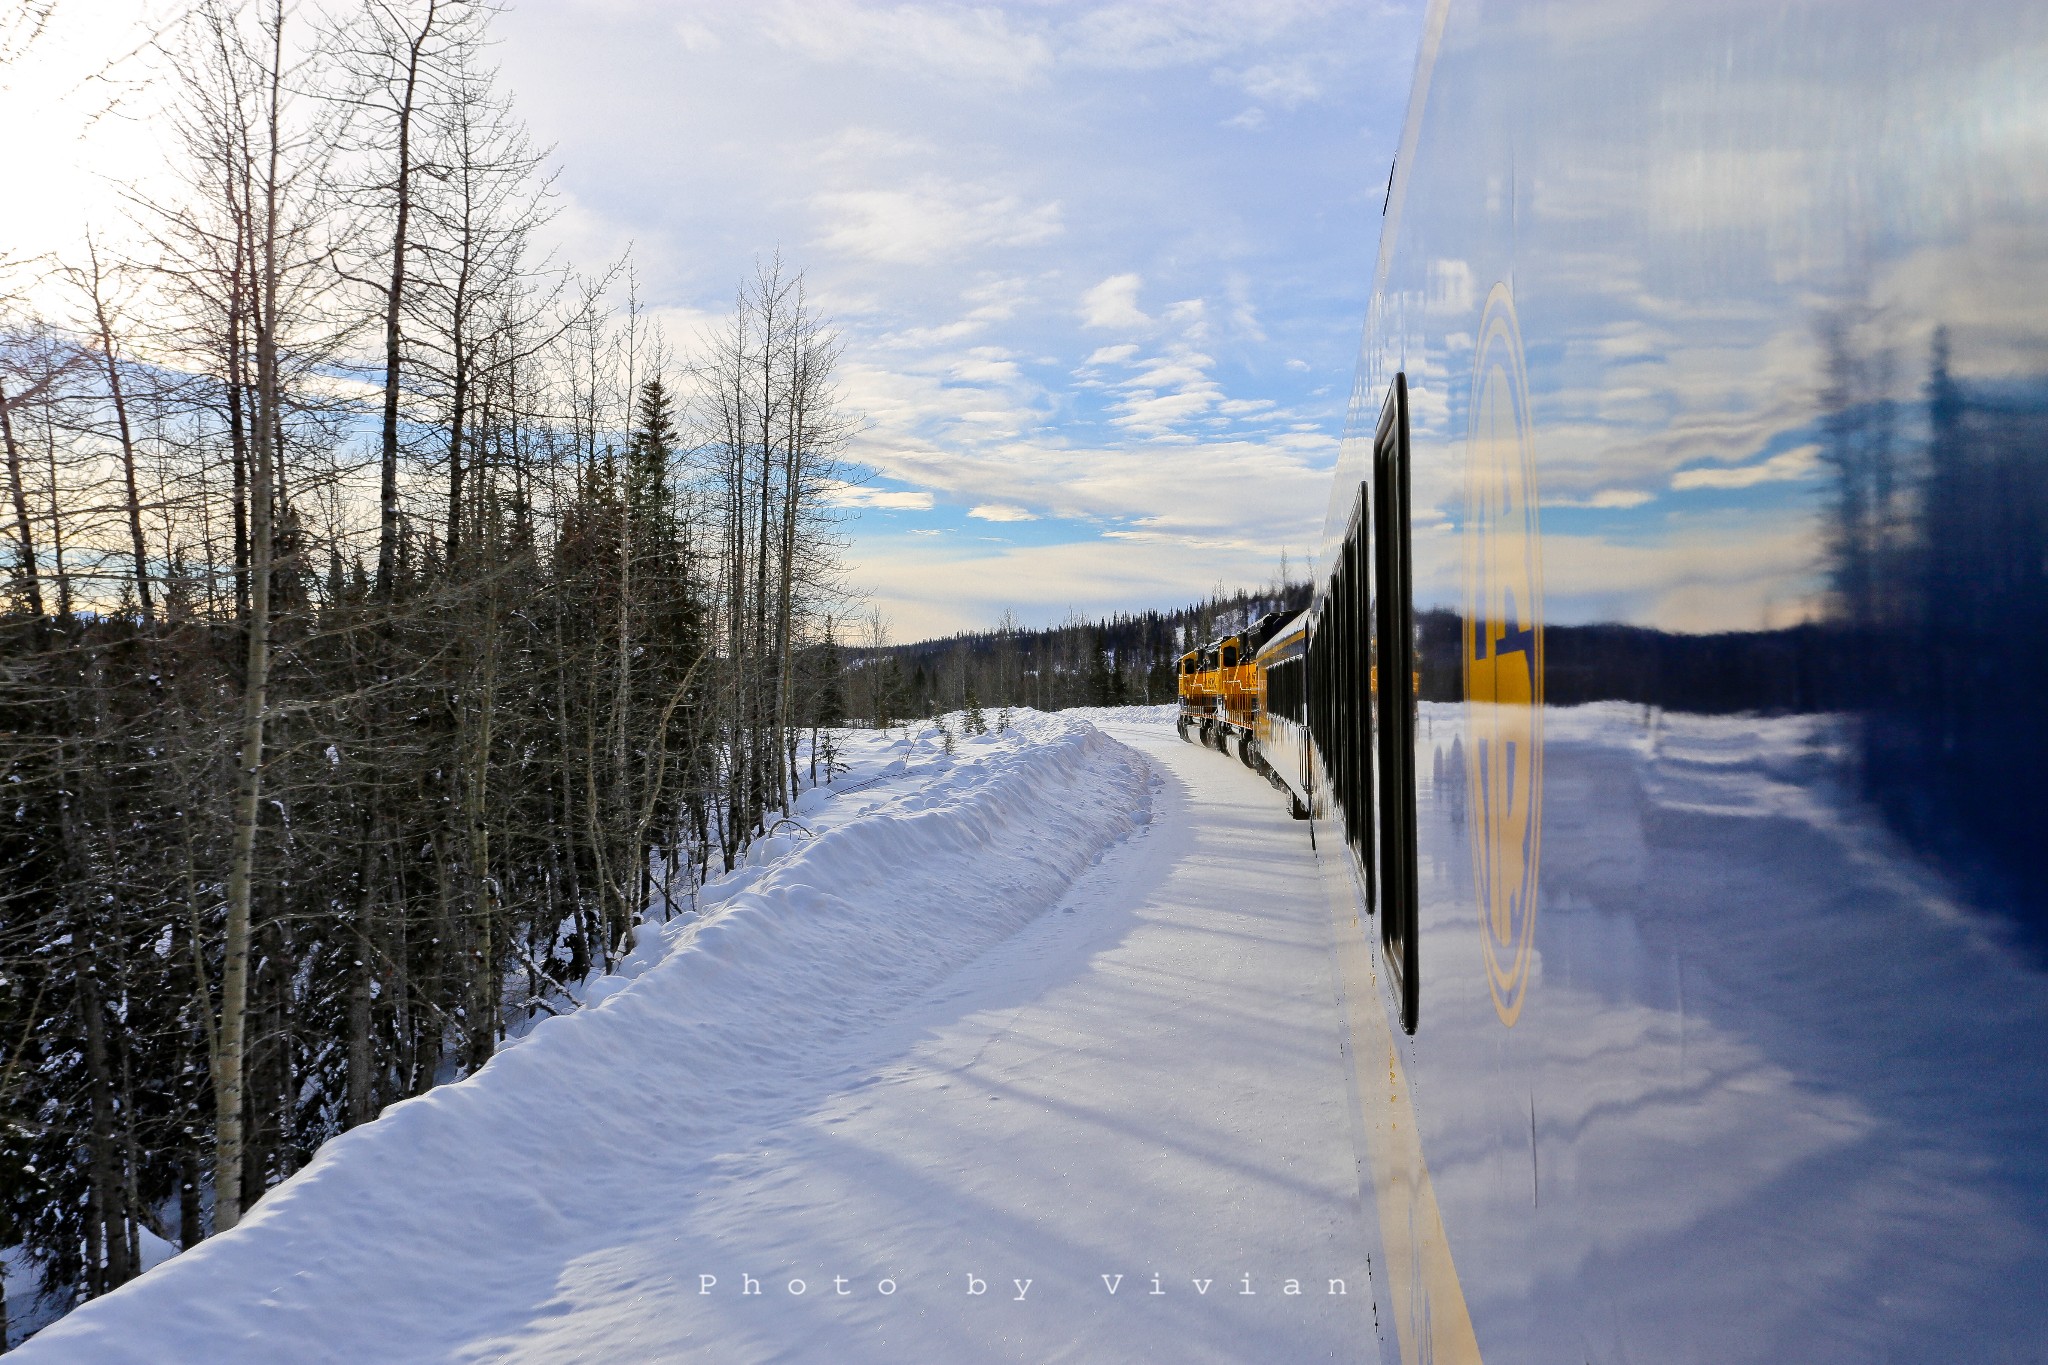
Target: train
[(1667, 715), (1242, 694)]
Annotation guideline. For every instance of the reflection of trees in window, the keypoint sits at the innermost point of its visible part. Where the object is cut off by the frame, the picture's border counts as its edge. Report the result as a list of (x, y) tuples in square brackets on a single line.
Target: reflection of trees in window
[(1859, 446), (1955, 742), (1725, 673)]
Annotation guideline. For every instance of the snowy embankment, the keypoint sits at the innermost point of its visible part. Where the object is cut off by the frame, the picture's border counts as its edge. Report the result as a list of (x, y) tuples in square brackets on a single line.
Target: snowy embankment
[(410, 1236)]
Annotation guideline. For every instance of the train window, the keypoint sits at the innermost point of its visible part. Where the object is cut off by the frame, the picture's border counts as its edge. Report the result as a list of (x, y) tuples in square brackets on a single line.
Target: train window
[(1358, 659), (1357, 550), (1285, 691), (1395, 703), (1230, 656), (1338, 704)]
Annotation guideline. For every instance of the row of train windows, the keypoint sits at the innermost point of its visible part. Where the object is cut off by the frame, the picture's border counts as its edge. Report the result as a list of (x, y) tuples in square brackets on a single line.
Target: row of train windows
[(1366, 735), (1287, 689)]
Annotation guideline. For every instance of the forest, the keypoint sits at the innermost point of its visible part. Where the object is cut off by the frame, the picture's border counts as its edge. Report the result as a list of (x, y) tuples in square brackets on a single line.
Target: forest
[(1124, 660), (392, 618)]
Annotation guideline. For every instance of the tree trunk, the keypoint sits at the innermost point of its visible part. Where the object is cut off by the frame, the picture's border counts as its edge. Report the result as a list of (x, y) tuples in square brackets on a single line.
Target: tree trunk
[(114, 390), (618, 882), (230, 1072), (792, 484), (362, 976), (112, 1265), (63, 577), (25, 538), (238, 428), (394, 307)]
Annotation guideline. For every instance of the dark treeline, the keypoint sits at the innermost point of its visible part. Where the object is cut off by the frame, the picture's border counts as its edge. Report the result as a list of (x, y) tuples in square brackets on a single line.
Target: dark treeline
[(390, 624), (1767, 671), (1123, 660), (1937, 565)]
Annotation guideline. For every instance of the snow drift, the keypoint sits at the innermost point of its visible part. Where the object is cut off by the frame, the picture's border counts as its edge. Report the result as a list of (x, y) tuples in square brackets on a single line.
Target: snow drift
[(409, 1237)]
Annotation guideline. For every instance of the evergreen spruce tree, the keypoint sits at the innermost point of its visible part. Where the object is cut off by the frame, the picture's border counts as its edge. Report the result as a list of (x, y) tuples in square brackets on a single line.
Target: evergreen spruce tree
[(827, 704), (648, 451), (1102, 677)]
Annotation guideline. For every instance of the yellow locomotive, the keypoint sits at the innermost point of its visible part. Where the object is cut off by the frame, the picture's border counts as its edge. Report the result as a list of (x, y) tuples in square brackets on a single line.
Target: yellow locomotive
[(1248, 694), (1247, 690)]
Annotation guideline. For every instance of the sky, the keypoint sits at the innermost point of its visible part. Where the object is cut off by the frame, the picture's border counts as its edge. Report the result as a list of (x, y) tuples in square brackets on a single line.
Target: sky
[(1100, 270)]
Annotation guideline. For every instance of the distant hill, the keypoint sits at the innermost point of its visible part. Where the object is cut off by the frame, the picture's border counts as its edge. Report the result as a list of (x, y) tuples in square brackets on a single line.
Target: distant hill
[(1121, 660)]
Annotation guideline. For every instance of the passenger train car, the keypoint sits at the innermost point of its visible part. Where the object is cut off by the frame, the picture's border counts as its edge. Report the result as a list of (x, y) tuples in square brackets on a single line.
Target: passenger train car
[(1671, 712)]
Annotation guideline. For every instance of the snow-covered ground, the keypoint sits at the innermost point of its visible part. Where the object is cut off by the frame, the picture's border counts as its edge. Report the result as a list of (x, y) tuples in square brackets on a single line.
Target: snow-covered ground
[(1027, 1052)]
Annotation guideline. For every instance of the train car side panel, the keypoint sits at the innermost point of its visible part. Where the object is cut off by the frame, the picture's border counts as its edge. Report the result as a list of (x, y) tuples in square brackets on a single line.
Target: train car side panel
[(1722, 329)]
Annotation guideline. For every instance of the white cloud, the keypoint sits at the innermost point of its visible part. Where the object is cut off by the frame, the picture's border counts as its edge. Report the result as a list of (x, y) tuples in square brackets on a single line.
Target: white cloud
[(1170, 389), (985, 364), (860, 144), (1145, 35), (1181, 368), (1157, 414), (930, 220), (1191, 316), (955, 44), (997, 511), (1271, 489), (1249, 120), (1611, 499), (1167, 392), (884, 499), (927, 338), (995, 301), (1717, 573), (1797, 463), (1244, 315), (696, 37), (1451, 288), (1114, 304), (1288, 84)]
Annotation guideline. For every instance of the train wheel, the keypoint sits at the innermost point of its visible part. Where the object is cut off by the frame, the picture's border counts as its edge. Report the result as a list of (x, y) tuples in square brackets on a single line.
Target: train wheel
[(1248, 752), (1181, 728)]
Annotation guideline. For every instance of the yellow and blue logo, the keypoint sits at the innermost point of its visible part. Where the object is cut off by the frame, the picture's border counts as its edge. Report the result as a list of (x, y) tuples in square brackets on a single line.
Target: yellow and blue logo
[(1503, 654)]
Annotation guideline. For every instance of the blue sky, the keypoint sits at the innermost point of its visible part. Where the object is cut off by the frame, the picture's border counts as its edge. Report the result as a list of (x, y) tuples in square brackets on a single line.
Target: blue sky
[(1100, 269)]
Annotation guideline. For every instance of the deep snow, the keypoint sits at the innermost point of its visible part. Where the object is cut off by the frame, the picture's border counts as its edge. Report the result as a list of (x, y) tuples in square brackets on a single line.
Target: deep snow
[(1045, 1019)]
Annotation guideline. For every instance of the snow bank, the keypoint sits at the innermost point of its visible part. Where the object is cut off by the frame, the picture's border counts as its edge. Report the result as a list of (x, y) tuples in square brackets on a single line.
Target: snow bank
[(415, 1233)]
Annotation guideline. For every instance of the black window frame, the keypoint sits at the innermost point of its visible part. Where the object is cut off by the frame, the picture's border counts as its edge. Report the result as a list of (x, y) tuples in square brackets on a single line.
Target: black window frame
[(1394, 640)]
